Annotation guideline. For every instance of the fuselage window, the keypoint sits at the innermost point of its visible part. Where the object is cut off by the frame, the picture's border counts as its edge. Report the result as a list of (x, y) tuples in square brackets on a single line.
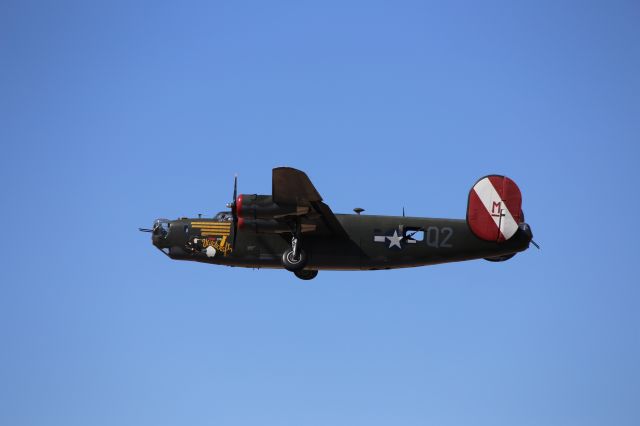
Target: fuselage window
[(223, 217), (416, 234)]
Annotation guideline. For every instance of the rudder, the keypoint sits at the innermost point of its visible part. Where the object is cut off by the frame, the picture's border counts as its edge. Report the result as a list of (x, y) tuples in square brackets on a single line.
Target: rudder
[(494, 209)]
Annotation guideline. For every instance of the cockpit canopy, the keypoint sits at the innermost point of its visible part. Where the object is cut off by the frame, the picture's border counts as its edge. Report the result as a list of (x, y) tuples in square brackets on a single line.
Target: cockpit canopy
[(223, 216)]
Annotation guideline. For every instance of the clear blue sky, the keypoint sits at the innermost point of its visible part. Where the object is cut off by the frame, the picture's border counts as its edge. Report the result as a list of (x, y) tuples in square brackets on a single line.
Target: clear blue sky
[(115, 113)]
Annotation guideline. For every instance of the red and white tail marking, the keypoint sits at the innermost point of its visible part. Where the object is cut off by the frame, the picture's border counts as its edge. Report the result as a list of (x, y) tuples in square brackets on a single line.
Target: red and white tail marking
[(494, 209)]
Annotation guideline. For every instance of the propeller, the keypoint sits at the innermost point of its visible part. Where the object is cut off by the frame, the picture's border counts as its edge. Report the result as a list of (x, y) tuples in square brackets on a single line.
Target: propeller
[(234, 211)]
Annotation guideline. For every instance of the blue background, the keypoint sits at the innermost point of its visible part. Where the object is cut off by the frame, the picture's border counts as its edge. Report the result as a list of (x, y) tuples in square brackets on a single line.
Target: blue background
[(114, 114)]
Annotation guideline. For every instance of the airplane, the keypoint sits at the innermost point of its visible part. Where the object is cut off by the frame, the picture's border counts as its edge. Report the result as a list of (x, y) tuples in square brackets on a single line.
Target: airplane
[(295, 230)]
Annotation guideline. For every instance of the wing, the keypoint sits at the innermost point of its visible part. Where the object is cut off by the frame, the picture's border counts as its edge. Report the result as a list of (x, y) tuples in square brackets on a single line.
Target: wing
[(290, 186), (293, 187)]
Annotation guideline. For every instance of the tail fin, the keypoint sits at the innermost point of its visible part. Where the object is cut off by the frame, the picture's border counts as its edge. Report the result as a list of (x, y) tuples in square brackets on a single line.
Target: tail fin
[(494, 210)]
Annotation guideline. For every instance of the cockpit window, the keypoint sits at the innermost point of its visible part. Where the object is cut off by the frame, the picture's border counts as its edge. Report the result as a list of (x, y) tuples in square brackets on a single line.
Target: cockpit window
[(223, 217)]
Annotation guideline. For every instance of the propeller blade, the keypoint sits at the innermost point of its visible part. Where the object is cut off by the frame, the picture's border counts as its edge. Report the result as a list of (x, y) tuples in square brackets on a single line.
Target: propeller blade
[(235, 188), (145, 230), (234, 211), (535, 244)]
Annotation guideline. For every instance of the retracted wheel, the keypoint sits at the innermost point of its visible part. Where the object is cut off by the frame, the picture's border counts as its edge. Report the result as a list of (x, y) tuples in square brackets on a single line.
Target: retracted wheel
[(306, 274), (294, 263)]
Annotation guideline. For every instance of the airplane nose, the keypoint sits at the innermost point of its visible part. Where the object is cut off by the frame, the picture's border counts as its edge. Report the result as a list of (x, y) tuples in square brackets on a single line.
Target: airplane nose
[(159, 233), (157, 239), (169, 236)]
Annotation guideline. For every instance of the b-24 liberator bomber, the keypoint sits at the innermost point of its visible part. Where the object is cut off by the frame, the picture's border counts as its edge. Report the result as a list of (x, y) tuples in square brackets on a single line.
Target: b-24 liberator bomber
[(294, 229)]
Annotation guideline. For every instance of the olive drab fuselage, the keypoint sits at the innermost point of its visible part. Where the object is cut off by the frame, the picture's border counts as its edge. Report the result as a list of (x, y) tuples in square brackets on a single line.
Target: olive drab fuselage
[(372, 242), (294, 229)]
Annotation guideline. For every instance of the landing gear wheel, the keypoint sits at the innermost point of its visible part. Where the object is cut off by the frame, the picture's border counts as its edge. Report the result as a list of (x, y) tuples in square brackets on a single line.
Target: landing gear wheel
[(306, 274), (292, 263)]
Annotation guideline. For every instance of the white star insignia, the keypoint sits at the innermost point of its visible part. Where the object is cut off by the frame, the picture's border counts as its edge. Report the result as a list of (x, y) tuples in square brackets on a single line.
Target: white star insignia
[(394, 240)]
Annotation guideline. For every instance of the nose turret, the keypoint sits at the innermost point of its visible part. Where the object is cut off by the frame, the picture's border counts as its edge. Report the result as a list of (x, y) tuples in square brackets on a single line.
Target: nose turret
[(159, 233), (170, 236)]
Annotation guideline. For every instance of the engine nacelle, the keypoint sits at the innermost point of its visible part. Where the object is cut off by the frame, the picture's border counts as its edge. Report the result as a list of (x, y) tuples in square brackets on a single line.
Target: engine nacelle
[(263, 226), (253, 207)]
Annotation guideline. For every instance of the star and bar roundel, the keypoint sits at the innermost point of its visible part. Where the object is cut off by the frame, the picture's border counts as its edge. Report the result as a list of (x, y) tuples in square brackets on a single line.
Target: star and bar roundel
[(495, 208)]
